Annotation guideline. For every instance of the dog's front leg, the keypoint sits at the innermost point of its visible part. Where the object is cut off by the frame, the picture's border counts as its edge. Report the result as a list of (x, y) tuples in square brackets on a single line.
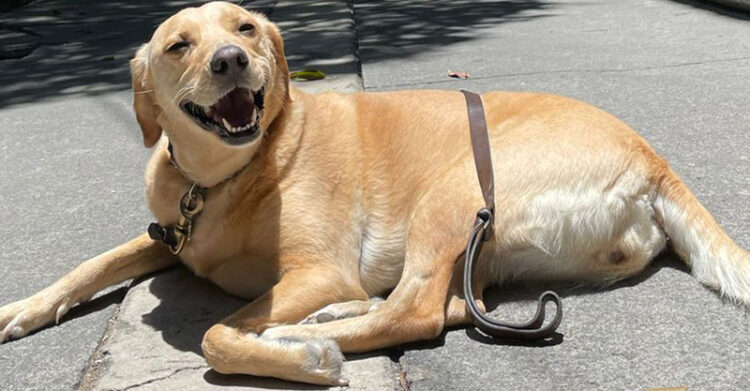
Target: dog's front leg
[(233, 345), (132, 259)]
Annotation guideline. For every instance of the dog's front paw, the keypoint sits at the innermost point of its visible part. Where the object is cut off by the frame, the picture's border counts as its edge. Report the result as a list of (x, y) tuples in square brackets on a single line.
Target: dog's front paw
[(19, 318), (326, 361), (321, 359)]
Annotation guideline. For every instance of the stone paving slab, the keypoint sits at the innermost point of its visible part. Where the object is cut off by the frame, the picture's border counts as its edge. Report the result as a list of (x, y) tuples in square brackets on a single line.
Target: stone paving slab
[(154, 343)]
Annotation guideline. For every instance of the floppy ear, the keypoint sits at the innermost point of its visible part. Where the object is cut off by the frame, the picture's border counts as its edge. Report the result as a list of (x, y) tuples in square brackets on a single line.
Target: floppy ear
[(146, 110), (282, 68)]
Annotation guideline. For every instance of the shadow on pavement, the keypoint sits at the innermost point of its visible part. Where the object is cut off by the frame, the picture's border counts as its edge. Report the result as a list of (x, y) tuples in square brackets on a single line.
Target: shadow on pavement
[(56, 48), (188, 307), (721, 9), (60, 47)]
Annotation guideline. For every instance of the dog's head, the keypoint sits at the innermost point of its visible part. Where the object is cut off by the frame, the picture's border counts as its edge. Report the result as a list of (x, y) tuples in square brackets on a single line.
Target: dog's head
[(218, 69)]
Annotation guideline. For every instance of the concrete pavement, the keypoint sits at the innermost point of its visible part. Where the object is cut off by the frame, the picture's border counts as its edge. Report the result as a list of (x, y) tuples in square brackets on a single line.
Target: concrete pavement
[(675, 72)]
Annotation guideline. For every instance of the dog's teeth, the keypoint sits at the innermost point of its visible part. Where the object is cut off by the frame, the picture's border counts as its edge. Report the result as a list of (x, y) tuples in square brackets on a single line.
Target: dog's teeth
[(226, 124)]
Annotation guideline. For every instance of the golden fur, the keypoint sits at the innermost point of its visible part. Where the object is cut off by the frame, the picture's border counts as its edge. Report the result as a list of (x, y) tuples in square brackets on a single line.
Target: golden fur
[(345, 198)]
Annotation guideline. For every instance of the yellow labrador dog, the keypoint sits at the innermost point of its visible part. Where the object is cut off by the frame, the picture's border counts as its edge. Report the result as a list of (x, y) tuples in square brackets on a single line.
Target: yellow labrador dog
[(315, 205)]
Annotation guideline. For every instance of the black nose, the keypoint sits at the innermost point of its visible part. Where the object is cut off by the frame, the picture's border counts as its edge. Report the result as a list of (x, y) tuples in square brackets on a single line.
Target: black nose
[(228, 59)]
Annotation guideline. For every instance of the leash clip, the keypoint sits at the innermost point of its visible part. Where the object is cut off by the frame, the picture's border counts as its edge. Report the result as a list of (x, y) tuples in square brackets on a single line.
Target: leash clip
[(177, 235)]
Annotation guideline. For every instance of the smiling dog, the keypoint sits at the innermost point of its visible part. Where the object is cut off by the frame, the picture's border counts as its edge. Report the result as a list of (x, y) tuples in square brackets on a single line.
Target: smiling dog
[(313, 206)]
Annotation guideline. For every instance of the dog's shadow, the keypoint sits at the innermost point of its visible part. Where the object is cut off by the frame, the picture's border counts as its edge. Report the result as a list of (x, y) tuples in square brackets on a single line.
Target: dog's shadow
[(189, 306)]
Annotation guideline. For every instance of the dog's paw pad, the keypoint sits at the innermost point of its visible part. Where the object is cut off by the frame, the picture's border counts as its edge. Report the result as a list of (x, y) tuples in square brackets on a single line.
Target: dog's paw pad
[(344, 310), (326, 361), (323, 317)]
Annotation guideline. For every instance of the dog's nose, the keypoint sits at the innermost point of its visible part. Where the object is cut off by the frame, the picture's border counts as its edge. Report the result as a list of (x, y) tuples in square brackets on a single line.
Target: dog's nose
[(228, 59)]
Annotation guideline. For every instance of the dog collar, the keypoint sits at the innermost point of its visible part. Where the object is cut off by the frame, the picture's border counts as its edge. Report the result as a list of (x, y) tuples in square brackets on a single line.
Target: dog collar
[(175, 236)]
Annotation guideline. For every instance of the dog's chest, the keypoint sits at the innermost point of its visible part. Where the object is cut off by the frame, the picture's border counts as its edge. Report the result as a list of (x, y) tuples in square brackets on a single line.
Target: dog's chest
[(219, 248)]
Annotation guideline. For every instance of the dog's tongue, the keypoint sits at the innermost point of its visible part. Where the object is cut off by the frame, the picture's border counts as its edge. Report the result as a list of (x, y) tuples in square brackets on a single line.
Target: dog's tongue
[(236, 107)]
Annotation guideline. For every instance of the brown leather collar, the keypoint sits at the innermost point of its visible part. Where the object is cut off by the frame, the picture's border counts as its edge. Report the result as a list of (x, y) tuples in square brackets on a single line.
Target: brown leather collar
[(482, 231)]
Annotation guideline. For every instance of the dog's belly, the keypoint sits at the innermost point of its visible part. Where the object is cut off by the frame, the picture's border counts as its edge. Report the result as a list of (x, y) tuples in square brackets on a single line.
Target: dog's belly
[(381, 260)]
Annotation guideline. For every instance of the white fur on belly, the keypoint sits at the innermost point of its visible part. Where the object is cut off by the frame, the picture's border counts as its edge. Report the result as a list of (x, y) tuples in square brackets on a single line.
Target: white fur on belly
[(381, 260)]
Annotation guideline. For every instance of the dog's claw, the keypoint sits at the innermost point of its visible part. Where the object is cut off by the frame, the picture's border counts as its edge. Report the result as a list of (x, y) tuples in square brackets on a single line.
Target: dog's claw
[(62, 310), (343, 382)]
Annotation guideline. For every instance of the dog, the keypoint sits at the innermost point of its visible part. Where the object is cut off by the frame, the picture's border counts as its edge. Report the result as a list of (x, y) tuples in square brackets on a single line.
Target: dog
[(313, 206)]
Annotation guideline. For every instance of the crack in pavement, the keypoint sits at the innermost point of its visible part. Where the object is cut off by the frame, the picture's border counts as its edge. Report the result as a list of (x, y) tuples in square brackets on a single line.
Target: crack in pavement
[(174, 372), (593, 70)]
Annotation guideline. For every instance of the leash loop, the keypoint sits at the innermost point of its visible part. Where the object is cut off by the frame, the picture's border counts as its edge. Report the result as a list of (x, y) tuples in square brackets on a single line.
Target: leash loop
[(191, 203), (482, 232)]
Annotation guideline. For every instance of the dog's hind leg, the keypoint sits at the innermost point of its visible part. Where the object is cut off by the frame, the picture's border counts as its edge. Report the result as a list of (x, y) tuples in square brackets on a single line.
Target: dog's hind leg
[(135, 258)]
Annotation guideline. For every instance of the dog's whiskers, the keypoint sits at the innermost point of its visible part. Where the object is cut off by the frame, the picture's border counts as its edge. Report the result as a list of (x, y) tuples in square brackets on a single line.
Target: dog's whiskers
[(182, 93)]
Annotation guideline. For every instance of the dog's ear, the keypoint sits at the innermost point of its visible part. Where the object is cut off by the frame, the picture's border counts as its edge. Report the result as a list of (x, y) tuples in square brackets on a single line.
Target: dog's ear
[(282, 68), (146, 110)]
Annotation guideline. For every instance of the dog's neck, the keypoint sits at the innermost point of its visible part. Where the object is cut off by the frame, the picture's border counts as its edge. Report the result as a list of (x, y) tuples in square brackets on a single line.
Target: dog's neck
[(208, 163)]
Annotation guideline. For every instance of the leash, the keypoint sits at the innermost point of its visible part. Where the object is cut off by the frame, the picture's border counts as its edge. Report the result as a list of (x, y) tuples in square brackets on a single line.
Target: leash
[(482, 232), (175, 236)]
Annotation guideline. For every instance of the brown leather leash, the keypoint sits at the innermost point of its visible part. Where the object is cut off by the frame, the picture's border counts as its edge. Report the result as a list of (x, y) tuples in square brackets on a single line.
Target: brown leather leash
[(482, 232)]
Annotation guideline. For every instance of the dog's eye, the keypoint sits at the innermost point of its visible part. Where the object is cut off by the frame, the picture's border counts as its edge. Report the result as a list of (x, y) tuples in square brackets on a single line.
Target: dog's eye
[(246, 28), (178, 46)]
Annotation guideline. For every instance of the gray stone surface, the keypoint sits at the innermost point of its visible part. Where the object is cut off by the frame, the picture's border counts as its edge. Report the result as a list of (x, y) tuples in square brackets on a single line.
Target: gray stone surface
[(679, 75)]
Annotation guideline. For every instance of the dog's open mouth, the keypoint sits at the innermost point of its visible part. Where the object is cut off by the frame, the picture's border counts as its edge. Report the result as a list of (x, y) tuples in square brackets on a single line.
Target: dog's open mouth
[(235, 117)]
